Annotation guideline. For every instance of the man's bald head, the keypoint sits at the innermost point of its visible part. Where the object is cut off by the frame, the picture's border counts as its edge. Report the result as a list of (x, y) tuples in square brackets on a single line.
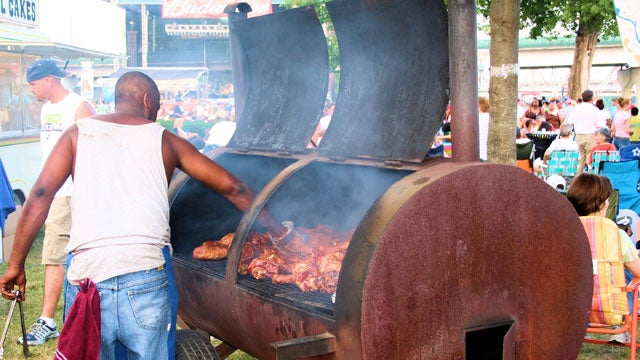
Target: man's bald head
[(131, 89)]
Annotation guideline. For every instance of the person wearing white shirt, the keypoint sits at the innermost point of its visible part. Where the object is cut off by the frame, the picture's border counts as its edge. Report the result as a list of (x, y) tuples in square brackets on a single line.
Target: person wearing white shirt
[(586, 120), (564, 142)]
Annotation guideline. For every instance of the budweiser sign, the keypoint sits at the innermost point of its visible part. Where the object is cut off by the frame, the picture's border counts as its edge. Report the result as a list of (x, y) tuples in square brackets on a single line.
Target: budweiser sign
[(195, 9)]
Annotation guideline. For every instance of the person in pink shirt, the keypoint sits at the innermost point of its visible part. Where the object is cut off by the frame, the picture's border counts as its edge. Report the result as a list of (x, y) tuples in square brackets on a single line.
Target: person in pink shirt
[(620, 126)]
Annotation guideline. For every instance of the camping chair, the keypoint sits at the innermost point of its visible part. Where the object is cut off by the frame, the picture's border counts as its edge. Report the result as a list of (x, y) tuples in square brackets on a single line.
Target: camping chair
[(624, 176), (602, 155), (524, 151), (630, 152), (563, 163), (610, 308)]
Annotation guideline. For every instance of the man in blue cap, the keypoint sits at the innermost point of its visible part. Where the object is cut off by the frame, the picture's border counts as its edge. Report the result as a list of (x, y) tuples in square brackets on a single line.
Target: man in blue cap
[(60, 110)]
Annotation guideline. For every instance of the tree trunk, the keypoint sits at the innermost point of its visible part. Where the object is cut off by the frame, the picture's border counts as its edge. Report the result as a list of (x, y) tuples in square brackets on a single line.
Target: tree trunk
[(503, 84), (582, 59)]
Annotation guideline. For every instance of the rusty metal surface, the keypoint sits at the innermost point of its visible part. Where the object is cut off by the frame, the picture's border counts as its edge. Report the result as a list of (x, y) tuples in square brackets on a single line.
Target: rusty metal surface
[(240, 318), (394, 78), (286, 61), (464, 80), (453, 247), (305, 347), (240, 306), (475, 246)]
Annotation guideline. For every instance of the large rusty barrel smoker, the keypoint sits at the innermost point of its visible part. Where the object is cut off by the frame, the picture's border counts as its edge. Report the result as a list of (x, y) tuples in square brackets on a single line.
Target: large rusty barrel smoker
[(448, 260)]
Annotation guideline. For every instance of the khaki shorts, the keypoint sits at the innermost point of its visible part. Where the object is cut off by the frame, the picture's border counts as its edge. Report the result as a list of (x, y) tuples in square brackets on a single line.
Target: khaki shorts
[(56, 232)]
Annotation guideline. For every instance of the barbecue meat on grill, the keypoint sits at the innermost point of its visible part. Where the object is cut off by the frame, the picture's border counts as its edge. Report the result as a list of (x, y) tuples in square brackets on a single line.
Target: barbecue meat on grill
[(311, 261), (214, 250), (210, 250)]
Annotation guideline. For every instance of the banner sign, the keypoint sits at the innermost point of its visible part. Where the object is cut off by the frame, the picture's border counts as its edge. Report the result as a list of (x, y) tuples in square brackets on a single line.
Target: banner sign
[(23, 12), (628, 16), (200, 9)]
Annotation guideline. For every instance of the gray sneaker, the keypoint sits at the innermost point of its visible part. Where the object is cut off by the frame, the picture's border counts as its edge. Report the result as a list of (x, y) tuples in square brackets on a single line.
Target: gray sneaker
[(40, 333)]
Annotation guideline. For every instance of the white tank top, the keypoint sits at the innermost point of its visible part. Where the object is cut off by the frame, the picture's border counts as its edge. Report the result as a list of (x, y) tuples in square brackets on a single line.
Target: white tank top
[(120, 206), (54, 119)]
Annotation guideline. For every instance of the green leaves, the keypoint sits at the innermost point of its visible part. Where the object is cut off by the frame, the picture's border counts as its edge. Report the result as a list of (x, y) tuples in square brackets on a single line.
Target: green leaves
[(547, 18)]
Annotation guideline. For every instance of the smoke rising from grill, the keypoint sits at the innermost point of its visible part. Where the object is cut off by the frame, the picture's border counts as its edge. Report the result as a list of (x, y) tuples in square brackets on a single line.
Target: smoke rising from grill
[(337, 195)]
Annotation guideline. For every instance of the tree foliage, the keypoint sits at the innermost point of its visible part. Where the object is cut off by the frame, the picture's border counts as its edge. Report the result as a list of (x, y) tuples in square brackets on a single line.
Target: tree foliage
[(587, 19), (544, 18)]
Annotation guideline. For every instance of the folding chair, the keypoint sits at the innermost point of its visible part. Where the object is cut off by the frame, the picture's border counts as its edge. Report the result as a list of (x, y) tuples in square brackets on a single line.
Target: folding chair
[(630, 152), (524, 152), (599, 156), (610, 308), (563, 163)]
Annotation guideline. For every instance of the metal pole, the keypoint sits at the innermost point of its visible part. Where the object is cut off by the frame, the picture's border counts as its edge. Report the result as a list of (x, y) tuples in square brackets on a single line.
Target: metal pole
[(144, 27), (463, 63)]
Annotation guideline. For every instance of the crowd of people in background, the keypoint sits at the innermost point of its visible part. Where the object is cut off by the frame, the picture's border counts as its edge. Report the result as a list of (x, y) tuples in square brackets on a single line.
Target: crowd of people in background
[(215, 119), (584, 121), (198, 110)]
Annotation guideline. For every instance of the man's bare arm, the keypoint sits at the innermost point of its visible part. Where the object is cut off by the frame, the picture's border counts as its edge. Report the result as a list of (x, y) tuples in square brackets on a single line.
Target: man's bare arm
[(54, 173), (214, 176)]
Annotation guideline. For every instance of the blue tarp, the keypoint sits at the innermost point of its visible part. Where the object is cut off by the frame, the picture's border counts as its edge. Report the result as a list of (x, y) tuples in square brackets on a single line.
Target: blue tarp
[(7, 205)]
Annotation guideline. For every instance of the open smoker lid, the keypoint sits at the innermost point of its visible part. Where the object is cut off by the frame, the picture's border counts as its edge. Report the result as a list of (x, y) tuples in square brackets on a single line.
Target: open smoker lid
[(394, 78), (286, 62)]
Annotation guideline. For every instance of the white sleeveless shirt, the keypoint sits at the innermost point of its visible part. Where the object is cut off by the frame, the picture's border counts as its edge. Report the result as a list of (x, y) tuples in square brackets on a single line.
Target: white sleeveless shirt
[(120, 205), (54, 119)]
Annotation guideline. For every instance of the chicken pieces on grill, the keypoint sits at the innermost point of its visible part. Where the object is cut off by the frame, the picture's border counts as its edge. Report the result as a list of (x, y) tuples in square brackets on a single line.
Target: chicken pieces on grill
[(311, 261), (214, 250)]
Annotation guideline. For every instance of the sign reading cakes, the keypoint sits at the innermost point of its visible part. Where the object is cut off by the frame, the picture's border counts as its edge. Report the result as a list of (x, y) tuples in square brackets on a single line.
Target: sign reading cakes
[(23, 12)]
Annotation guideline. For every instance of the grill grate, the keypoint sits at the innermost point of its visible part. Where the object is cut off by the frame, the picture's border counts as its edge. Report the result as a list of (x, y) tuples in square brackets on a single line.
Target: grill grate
[(215, 268), (312, 301)]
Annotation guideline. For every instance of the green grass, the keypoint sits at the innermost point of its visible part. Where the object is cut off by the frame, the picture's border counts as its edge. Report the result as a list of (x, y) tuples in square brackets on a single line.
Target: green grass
[(32, 307), (603, 352)]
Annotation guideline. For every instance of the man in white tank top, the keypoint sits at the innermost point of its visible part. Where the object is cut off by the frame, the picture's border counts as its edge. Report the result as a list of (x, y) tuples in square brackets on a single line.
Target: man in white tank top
[(119, 241), (61, 110)]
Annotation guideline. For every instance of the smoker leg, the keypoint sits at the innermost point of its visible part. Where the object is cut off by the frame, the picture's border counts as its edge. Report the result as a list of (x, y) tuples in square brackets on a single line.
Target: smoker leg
[(224, 350), (305, 347)]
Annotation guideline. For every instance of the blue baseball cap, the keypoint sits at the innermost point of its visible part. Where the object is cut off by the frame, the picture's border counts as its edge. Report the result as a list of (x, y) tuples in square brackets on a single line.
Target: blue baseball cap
[(45, 67)]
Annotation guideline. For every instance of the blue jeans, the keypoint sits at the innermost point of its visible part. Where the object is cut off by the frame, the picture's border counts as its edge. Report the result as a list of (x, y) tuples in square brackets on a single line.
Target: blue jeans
[(138, 314), (621, 142)]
